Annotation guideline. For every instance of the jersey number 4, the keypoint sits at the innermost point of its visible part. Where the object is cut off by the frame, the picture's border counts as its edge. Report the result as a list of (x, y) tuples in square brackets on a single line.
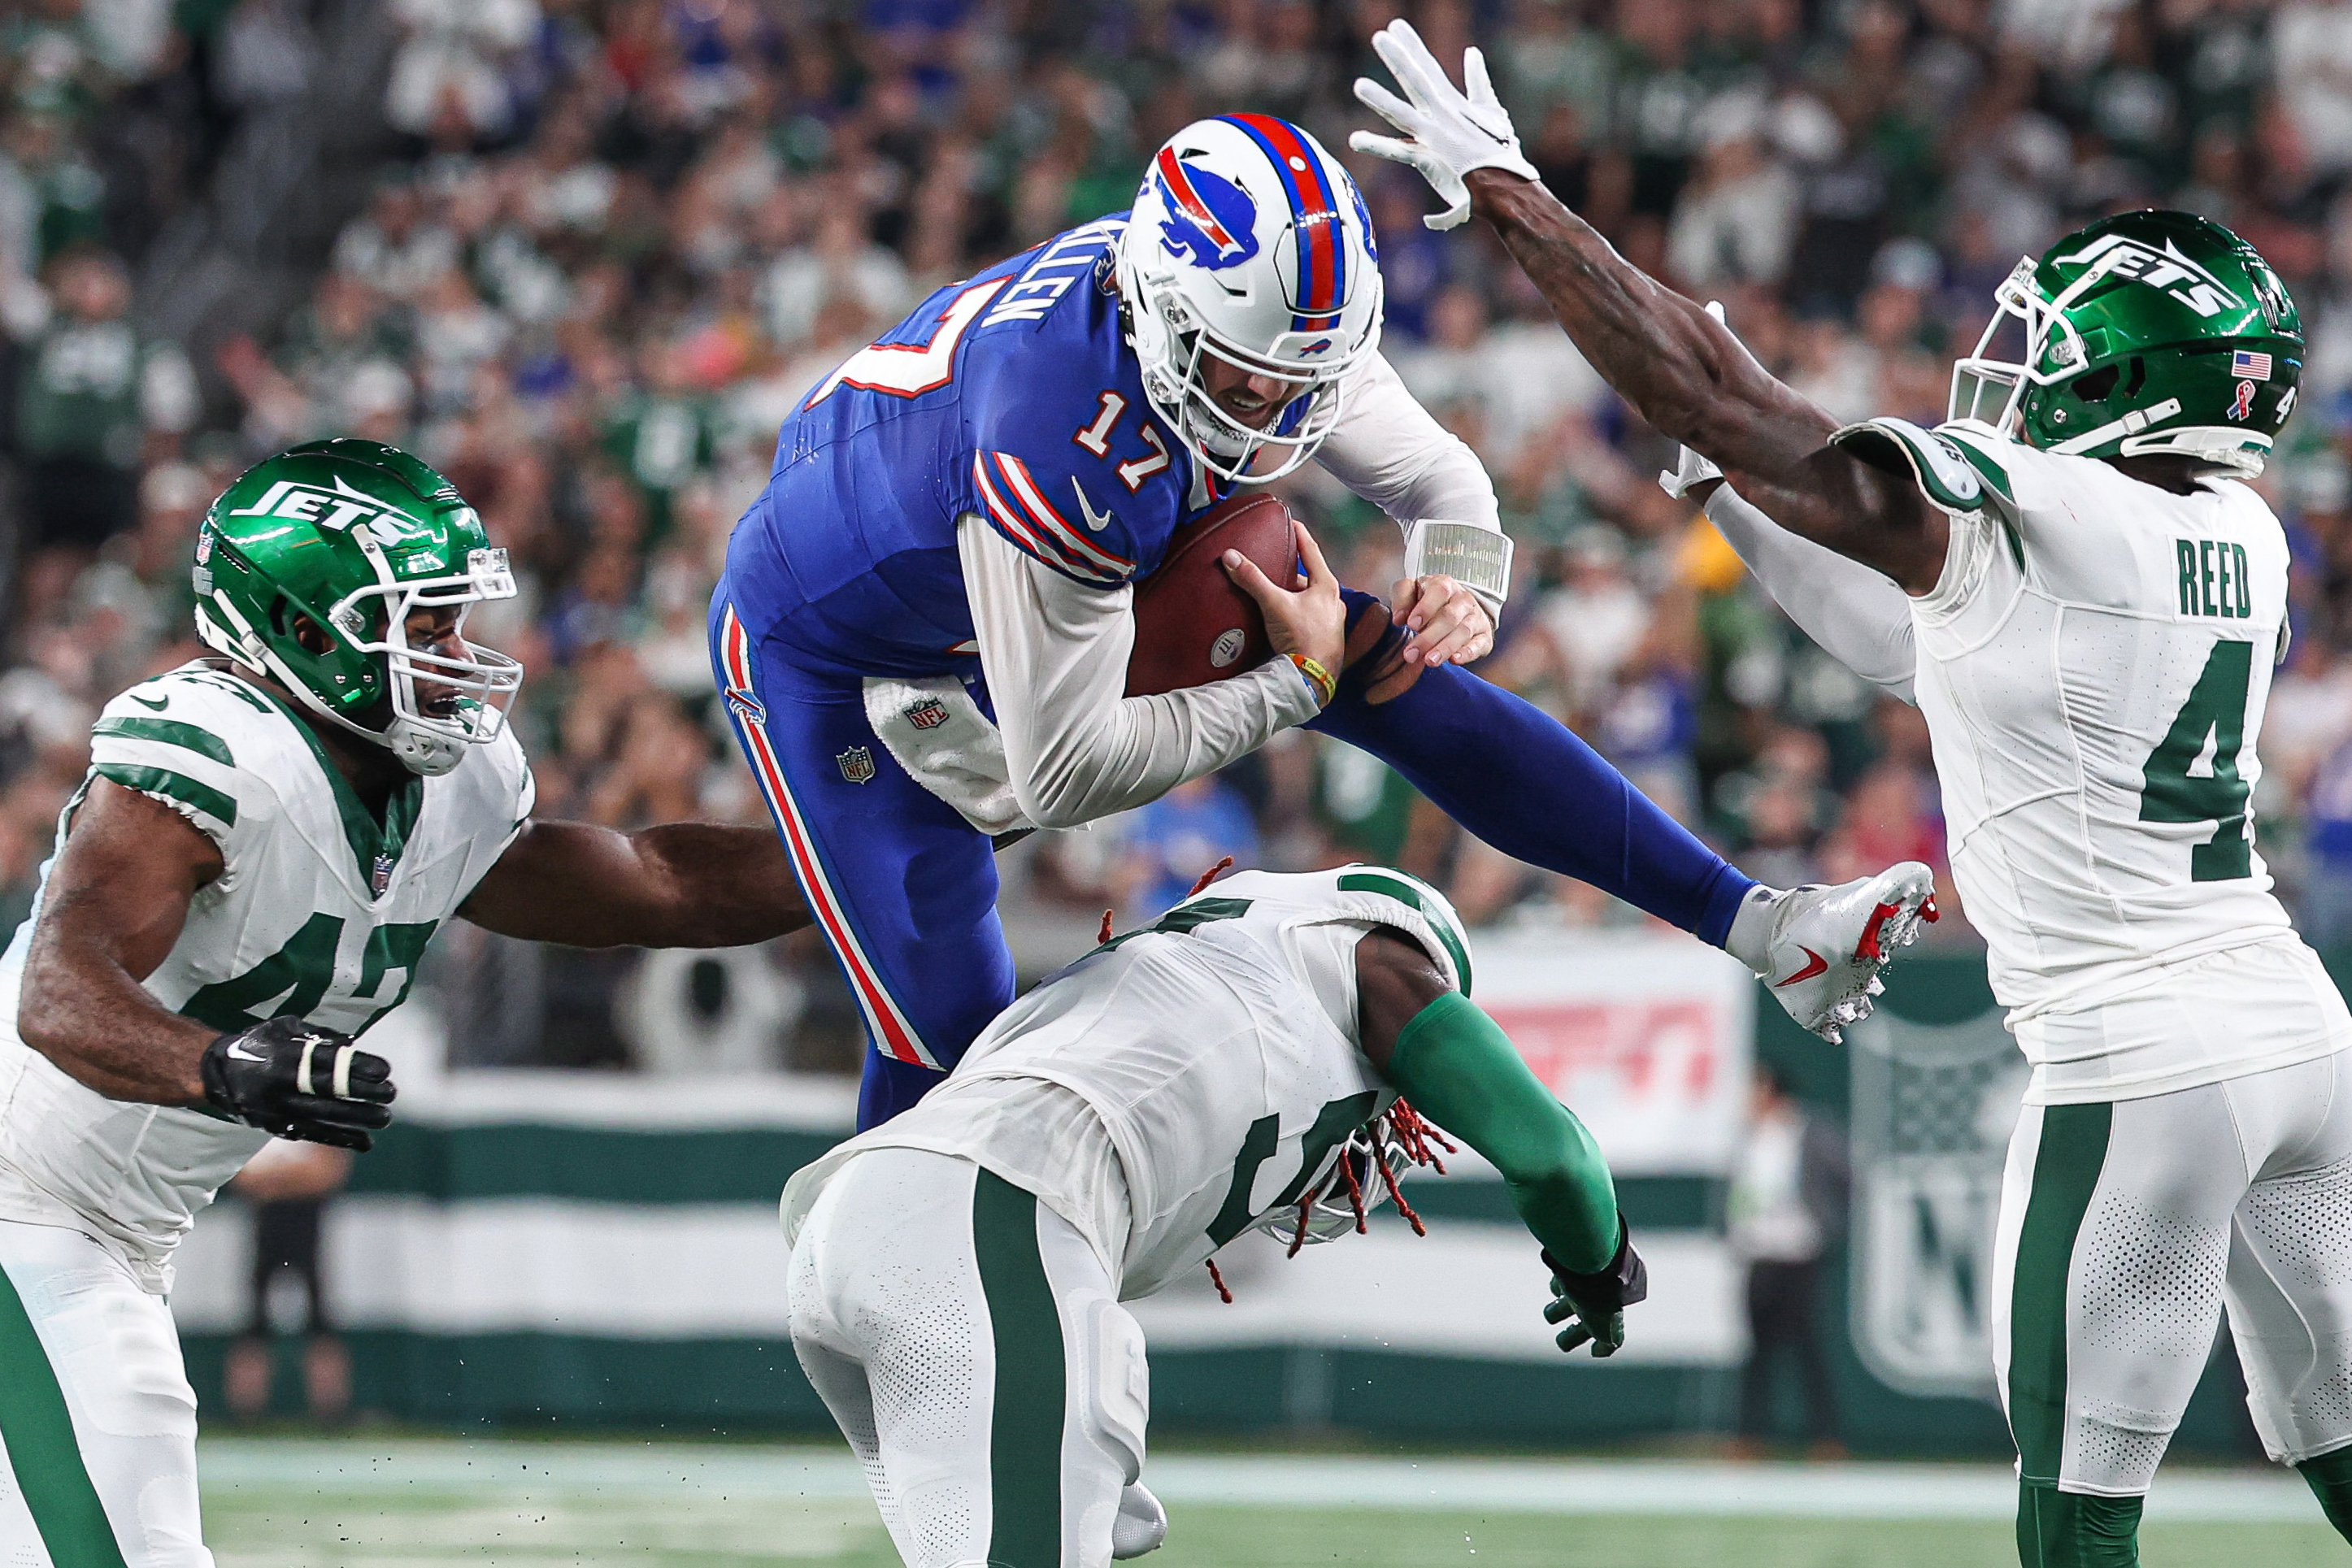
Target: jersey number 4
[(2210, 728)]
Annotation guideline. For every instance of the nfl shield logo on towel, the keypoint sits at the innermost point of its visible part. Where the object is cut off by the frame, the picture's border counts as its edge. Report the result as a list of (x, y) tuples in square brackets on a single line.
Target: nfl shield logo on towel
[(856, 765), (928, 713)]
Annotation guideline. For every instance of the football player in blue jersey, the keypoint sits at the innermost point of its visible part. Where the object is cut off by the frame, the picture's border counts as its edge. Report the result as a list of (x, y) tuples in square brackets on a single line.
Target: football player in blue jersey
[(924, 625)]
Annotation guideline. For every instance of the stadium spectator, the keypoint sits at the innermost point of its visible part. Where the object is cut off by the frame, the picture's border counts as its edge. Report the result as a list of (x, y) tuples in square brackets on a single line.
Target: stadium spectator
[(1787, 1208), (1172, 842), (288, 1187), (92, 392)]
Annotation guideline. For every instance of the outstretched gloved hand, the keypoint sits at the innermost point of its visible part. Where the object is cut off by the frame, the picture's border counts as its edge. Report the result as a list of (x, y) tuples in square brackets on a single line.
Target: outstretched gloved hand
[(1448, 132)]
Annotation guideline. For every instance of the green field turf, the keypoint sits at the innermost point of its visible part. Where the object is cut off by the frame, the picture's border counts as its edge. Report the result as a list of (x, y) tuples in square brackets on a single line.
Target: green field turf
[(344, 1505)]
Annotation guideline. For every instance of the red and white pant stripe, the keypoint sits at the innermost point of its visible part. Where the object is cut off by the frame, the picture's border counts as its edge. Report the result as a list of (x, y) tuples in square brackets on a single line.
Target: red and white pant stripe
[(884, 1017)]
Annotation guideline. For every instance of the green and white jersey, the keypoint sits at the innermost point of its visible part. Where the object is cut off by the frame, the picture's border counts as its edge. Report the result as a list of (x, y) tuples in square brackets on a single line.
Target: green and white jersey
[(2093, 666), (321, 911), (1181, 1082)]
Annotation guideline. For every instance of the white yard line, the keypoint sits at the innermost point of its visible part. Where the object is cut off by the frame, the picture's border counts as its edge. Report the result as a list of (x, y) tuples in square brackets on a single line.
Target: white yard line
[(345, 1467)]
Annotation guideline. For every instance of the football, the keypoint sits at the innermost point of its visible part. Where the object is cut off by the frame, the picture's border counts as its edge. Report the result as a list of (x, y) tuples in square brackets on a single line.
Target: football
[(1193, 623)]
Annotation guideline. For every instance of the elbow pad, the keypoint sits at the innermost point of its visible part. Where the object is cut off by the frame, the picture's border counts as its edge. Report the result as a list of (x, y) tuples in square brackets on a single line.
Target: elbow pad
[(1473, 554)]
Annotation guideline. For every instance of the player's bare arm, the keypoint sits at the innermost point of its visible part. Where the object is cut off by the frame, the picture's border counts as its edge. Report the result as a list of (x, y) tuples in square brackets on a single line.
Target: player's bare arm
[(677, 884), (1683, 371), (113, 908), (111, 911)]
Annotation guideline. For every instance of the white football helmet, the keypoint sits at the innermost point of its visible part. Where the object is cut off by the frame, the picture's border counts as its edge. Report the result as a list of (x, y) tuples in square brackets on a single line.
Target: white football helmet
[(1249, 244)]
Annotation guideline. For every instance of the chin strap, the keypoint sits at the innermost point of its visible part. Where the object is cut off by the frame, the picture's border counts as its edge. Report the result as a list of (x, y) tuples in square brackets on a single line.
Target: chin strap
[(1473, 554), (2131, 423)]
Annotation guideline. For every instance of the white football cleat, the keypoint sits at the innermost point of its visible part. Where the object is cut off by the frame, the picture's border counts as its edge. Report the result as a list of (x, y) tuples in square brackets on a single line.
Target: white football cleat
[(1142, 1524), (1823, 947)]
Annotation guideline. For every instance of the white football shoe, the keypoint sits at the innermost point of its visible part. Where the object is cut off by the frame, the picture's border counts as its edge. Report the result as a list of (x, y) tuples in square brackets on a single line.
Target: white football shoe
[(1820, 949), (1142, 1524)]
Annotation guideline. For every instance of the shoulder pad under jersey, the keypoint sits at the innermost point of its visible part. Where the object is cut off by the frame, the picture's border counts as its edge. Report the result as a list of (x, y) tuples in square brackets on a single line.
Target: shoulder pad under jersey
[(1948, 469), (201, 741)]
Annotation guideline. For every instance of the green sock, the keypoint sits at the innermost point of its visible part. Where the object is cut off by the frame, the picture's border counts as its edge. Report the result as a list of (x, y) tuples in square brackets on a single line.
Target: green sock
[(2072, 1530), (2330, 1478)]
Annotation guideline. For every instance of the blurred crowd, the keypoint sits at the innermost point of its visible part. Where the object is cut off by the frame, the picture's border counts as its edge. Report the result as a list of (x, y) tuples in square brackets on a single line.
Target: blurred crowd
[(609, 243)]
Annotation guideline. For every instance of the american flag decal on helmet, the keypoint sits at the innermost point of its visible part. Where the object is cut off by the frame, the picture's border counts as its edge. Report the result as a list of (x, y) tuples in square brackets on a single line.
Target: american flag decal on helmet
[(2251, 366)]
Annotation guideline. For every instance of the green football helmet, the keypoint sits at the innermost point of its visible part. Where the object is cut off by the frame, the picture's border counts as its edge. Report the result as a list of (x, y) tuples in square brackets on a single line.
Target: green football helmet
[(353, 536), (2146, 332)]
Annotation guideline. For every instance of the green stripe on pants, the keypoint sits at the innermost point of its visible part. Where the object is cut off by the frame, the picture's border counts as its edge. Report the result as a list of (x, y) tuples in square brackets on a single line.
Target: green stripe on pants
[(39, 1430), (1024, 1444), (2065, 1172)]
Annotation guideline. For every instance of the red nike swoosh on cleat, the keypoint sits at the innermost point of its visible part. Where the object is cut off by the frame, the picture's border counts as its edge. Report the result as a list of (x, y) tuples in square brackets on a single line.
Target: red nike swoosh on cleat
[(1816, 965)]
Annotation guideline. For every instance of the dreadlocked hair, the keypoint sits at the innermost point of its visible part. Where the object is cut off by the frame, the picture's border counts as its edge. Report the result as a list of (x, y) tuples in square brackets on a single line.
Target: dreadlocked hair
[(1399, 1128), (1208, 876), (1211, 874)]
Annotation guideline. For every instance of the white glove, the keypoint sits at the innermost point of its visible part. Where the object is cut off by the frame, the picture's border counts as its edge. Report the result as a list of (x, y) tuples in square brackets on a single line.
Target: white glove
[(1451, 134), (1689, 467)]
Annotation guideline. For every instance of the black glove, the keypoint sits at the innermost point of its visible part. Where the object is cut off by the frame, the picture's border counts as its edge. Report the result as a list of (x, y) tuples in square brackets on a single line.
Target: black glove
[(300, 1080), (1598, 1301)]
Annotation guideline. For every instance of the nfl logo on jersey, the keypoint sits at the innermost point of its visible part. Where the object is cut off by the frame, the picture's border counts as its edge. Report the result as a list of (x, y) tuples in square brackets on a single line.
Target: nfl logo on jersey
[(928, 713), (856, 765)]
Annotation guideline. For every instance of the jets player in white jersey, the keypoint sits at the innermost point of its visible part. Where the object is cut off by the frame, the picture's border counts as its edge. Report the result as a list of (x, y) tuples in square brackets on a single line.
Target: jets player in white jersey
[(2084, 598), (244, 883), (956, 1272)]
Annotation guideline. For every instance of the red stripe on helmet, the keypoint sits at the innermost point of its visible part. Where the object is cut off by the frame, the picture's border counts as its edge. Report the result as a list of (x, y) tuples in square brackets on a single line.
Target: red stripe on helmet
[(1179, 186)]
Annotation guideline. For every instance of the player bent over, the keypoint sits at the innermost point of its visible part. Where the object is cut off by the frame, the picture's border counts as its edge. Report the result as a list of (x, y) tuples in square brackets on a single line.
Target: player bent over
[(926, 619), (957, 1273), (245, 881), (2085, 600)]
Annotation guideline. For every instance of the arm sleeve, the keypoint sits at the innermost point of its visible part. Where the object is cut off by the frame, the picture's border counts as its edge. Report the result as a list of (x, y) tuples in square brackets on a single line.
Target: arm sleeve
[(1460, 1071), (1860, 618), (1393, 451), (1055, 654)]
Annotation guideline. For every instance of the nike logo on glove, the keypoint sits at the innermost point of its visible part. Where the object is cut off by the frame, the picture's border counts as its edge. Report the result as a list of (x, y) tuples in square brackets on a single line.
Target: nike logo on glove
[(158, 706), (239, 1053), (1815, 965)]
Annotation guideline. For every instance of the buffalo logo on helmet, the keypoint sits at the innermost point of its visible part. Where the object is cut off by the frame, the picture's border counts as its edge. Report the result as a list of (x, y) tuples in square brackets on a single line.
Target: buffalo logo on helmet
[(928, 713), (856, 765), (1210, 221)]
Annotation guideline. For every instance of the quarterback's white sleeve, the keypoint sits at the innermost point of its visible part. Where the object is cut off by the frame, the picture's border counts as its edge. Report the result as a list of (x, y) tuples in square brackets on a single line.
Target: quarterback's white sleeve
[(1393, 451), (1055, 653), (1860, 618), (1390, 450)]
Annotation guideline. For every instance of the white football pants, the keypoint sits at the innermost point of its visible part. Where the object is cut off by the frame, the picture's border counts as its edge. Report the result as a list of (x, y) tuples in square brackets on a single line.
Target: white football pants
[(97, 1419), (972, 1348), (2125, 1226)]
